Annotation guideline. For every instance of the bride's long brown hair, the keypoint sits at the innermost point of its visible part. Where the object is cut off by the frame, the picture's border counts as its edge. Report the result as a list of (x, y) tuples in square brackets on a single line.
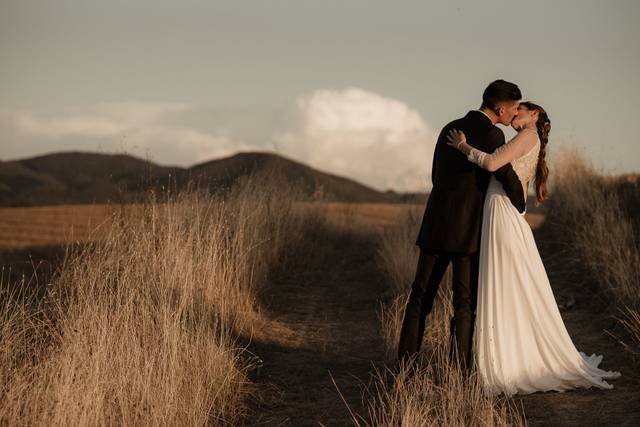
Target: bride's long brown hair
[(542, 171)]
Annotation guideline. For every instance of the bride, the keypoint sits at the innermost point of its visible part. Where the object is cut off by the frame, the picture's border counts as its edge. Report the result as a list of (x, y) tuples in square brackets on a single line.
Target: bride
[(522, 345)]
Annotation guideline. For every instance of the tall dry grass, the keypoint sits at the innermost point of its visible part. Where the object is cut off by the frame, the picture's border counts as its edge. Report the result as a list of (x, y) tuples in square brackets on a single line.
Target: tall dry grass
[(437, 393), (587, 208), (141, 327)]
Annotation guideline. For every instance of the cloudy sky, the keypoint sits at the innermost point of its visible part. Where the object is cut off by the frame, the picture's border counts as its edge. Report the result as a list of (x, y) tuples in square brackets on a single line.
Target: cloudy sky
[(358, 88)]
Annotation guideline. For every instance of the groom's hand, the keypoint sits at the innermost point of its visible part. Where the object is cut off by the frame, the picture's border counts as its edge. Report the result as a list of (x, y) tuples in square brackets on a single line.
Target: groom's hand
[(458, 140)]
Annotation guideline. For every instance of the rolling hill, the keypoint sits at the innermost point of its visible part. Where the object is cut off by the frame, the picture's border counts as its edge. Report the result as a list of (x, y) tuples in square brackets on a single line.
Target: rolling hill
[(82, 177)]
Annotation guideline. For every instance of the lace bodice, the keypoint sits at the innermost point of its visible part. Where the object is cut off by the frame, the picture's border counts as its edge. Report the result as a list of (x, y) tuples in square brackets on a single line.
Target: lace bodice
[(525, 166), (523, 159), (520, 152)]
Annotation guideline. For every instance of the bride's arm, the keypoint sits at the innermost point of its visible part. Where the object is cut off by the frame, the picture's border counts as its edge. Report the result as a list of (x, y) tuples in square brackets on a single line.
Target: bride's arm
[(520, 145)]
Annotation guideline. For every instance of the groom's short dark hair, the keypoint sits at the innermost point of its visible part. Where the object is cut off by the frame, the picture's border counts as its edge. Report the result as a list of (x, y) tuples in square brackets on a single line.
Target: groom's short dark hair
[(500, 91)]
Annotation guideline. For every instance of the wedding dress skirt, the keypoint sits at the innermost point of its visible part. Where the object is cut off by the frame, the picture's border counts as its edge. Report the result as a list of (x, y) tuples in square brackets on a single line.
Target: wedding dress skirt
[(522, 345)]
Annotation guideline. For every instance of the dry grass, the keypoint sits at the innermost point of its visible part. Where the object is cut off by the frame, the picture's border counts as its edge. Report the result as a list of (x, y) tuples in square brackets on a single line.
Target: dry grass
[(437, 394), (630, 319), (587, 208), (140, 327)]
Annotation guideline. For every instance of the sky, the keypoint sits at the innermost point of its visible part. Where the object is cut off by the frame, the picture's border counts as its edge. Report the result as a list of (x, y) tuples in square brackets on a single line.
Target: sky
[(356, 88)]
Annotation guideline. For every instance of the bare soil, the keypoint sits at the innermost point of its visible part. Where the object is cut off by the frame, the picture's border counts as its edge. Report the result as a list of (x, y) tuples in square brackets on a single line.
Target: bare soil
[(323, 328)]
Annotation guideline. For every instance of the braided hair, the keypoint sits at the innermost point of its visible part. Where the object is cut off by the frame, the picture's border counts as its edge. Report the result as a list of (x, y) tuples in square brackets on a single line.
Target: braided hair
[(543, 126)]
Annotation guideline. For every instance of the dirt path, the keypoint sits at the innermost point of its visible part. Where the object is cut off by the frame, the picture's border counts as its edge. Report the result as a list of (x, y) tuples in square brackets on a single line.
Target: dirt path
[(324, 325)]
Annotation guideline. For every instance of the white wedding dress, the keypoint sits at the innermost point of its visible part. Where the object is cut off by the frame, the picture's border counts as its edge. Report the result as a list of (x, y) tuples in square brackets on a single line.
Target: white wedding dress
[(522, 345)]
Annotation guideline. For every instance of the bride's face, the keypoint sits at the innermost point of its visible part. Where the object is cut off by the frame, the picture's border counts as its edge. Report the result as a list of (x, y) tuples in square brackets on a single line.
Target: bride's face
[(524, 118)]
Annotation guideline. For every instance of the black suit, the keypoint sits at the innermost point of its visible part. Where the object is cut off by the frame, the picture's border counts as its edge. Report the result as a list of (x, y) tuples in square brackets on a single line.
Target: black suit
[(450, 232)]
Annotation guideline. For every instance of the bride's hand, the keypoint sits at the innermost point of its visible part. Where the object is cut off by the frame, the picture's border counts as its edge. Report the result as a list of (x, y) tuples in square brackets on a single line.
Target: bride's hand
[(458, 140)]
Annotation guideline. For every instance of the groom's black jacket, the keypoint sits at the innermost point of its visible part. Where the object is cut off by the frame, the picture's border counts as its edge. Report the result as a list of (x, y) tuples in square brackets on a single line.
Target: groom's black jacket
[(453, 215)]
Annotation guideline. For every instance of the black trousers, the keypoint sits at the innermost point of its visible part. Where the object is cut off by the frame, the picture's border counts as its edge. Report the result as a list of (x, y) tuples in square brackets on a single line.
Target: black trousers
[(430, 270)]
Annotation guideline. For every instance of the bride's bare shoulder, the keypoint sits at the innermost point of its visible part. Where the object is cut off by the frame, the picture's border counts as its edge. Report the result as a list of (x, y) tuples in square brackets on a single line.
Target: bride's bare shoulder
[(529, 134), (525, 137)]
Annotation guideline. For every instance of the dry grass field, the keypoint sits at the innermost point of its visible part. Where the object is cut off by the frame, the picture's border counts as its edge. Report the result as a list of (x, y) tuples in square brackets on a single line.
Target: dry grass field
[(259, 310)]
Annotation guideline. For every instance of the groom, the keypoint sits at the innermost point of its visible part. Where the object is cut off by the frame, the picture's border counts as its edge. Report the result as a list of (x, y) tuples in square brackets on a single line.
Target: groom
[(450, 230)]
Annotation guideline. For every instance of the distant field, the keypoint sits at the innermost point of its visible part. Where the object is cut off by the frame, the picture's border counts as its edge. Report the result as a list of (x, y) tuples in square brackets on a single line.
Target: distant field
[(50, 225), (56, 225)]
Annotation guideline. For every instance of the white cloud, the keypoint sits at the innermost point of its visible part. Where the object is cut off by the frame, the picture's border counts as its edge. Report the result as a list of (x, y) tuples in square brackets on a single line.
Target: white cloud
[(138, 113), (377, 140), (61, 126), (151, 131)]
